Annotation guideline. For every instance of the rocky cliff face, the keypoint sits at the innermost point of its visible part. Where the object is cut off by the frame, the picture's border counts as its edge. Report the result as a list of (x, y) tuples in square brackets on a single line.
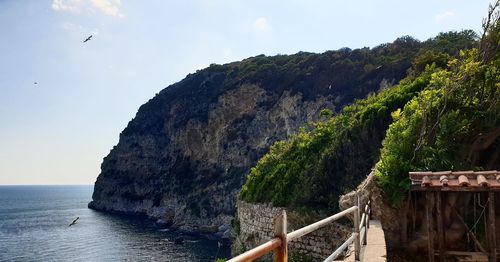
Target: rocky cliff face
[(190, 175), (184, 157)]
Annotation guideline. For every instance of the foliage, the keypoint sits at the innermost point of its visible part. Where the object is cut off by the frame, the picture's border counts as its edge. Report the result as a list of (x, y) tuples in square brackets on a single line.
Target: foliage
[(327, 113), (298, 172), (313, 168), (440, 49), (451, 42), (437, 129)]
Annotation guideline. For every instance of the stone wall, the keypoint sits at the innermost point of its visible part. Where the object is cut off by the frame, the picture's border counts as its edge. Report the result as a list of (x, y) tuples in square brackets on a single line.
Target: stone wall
[(256, 227)]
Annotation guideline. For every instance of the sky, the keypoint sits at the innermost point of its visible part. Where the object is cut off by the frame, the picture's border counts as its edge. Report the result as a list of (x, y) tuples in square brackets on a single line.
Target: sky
[(63, 103)]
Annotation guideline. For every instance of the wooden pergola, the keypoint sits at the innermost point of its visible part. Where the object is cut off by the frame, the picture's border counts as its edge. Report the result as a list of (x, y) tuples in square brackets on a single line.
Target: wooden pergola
[(435, 185)]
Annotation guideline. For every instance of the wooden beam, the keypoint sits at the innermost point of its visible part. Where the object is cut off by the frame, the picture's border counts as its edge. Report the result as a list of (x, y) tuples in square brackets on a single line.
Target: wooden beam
[(430, 234), (468, 256), (279, 224), (469, 232), (491, 227), (439, 218), (357, 244), (462, 253)]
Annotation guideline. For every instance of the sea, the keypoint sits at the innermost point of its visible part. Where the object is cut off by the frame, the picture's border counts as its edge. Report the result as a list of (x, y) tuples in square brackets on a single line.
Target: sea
[(34, 226)]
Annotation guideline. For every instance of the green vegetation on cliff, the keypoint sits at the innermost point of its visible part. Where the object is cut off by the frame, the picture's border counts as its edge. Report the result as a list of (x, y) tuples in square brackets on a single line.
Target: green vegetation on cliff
[(312, 168), (453, 125)]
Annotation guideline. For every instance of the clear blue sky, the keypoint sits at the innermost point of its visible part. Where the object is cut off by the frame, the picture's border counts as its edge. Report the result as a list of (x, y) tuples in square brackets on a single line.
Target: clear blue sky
[(58, 130)]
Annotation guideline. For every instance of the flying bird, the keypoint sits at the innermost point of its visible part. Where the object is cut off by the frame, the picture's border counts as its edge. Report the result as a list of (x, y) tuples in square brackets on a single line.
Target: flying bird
[(36, 83), (74, 221), (88, 38)]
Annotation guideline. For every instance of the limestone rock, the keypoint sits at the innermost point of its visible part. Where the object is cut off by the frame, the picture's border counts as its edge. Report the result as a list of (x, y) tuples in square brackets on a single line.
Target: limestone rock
[(184, 157)]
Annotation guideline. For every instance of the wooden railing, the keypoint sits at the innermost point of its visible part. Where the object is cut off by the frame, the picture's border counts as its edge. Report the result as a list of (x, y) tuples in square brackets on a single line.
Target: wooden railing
[(279, 244)]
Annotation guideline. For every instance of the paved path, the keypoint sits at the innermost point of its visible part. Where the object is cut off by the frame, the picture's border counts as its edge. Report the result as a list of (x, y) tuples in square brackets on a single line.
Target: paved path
[(375, 250)]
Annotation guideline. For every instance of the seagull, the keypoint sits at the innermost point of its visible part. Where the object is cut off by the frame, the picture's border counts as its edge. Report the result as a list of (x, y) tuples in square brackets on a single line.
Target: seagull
[(88, 38), (74, 221), (36, 83)]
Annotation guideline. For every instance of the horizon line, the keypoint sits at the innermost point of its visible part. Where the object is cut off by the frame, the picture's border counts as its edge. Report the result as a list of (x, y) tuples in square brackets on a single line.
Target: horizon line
[(46, 184)]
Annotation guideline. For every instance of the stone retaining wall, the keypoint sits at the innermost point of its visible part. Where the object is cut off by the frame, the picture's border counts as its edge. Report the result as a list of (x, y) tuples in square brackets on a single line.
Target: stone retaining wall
[(256, 227)]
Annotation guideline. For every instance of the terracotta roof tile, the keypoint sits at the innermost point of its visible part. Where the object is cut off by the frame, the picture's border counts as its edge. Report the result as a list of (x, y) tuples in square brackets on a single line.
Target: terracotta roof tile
[(456, 180)]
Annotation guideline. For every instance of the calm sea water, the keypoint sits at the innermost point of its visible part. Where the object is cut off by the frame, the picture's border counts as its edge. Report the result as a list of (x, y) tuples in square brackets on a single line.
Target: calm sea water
[(34, 227)]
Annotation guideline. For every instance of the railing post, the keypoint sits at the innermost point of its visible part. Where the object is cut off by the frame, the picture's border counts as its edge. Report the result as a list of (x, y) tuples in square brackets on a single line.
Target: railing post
[(357, 246), (360, 210), (365, 233), (279, 223), (368, 212)]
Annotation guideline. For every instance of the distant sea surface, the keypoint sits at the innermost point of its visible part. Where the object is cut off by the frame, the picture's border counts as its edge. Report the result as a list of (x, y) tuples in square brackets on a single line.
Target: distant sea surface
[(34, 227)]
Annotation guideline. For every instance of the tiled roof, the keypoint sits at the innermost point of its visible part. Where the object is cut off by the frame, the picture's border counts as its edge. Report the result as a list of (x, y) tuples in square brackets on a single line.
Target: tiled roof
[(457, 180)]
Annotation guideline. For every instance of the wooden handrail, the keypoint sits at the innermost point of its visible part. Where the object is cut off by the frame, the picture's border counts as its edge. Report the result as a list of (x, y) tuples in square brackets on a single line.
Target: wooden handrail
[(308, 229), (363, 228), (339, 250), (279, 243), (363, 222), (258, 251)]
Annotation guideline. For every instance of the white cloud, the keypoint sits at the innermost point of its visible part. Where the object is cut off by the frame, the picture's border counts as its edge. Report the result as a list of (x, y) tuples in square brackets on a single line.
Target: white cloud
[(444, 16), (261, 25), (67, 5), (106, 7)]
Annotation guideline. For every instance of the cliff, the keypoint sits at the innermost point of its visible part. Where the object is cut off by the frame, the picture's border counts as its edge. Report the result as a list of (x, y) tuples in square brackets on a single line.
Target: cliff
[(313, 168), (444, 117), (185, 155)]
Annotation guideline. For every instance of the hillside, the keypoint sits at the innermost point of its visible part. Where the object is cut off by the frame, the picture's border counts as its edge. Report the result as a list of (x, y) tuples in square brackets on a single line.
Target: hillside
[(313, 168), (445, 115), (184, 157)]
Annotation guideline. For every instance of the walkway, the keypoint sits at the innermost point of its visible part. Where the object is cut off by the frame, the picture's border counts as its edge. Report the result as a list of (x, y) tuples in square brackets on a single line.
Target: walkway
[(375, 250)]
